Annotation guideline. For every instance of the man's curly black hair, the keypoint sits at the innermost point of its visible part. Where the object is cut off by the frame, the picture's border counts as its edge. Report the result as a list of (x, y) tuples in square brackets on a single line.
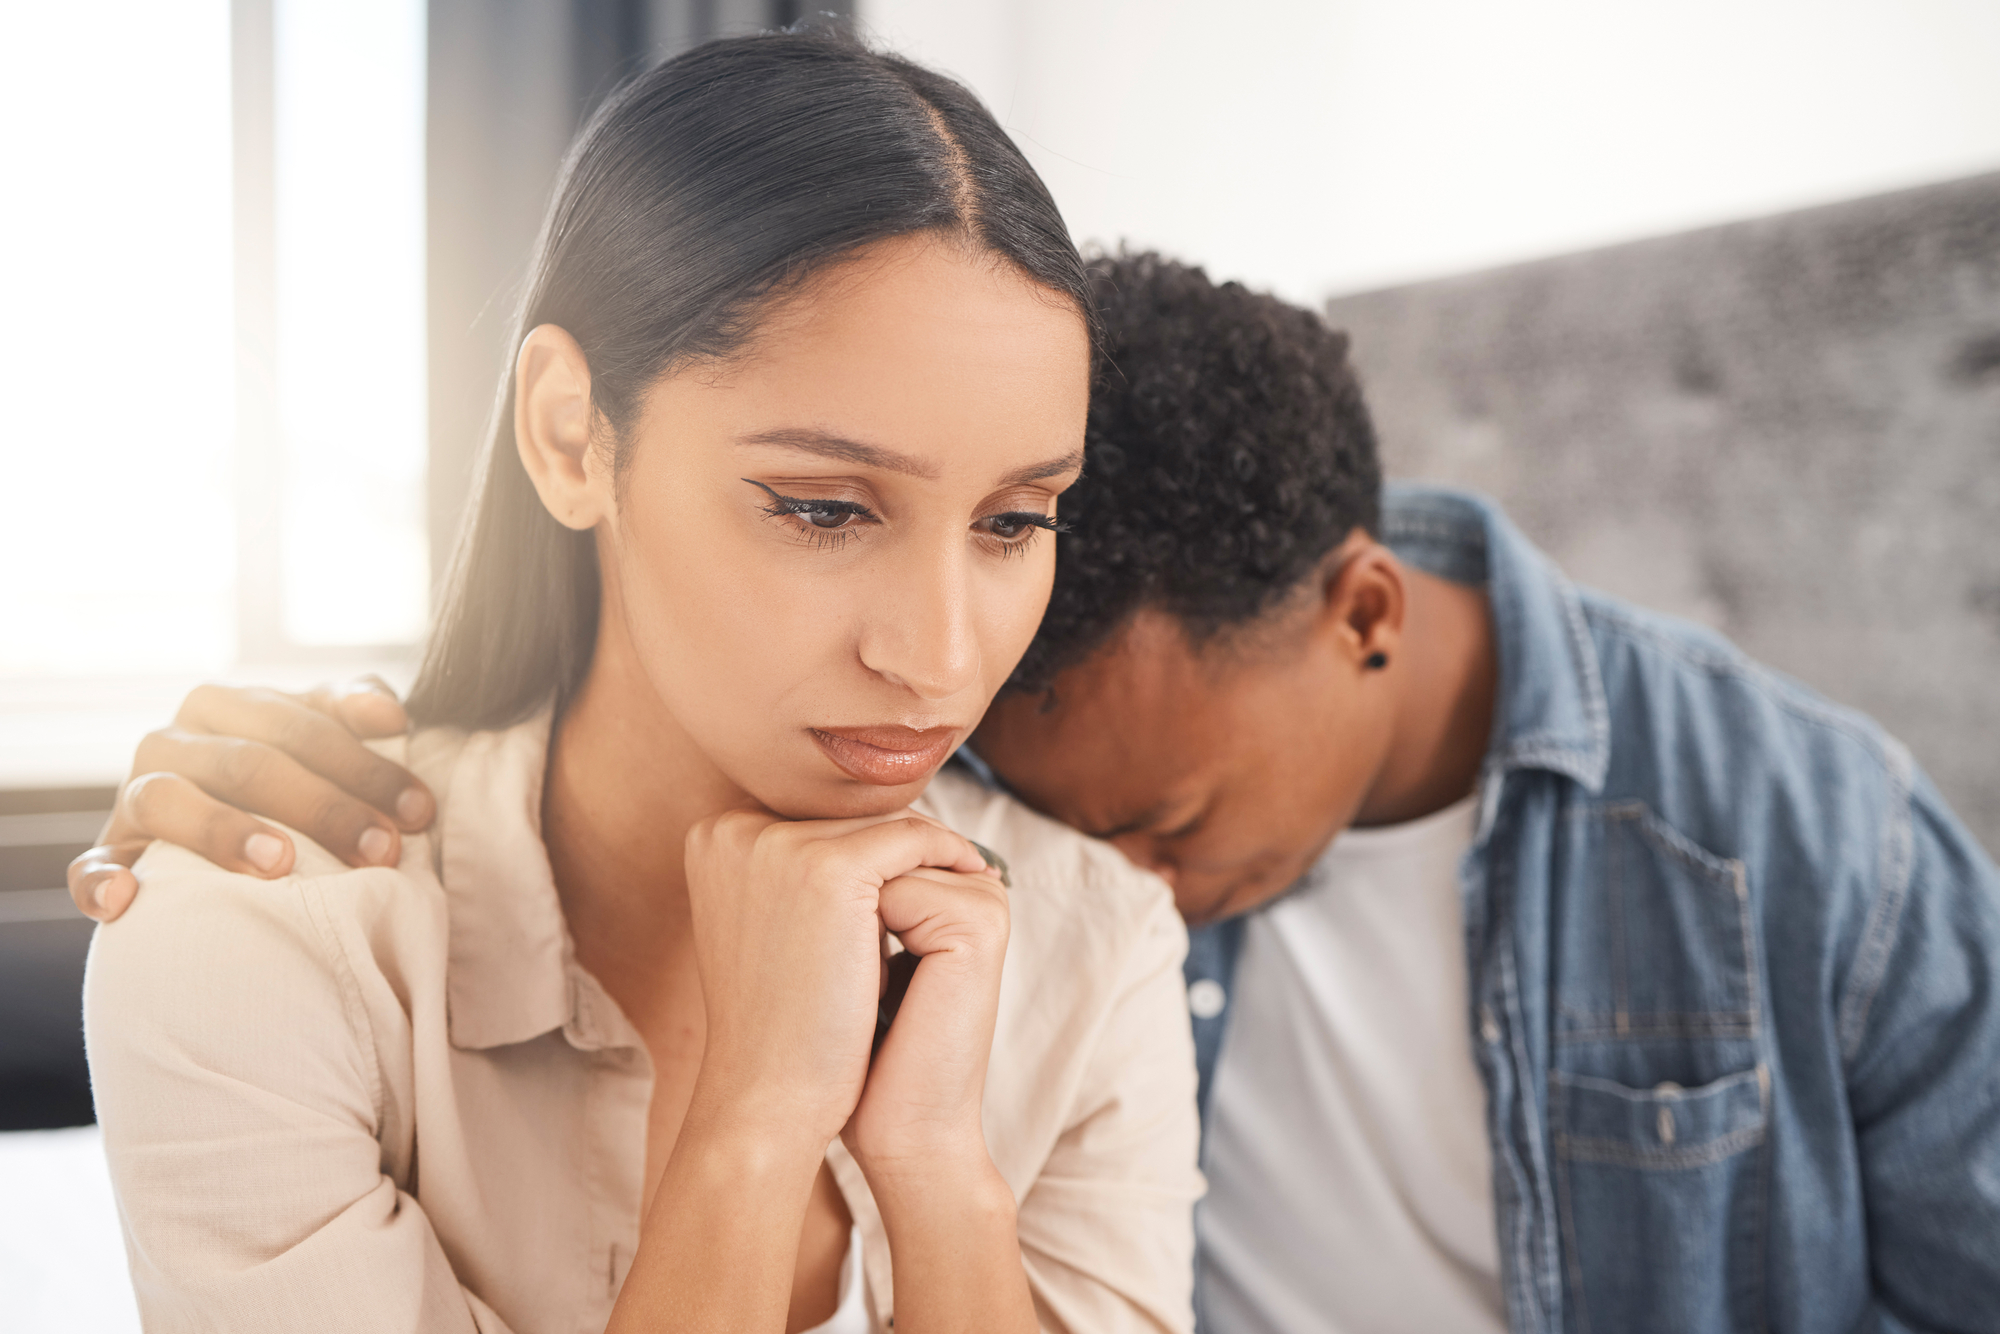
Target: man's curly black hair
[(1228, 451)]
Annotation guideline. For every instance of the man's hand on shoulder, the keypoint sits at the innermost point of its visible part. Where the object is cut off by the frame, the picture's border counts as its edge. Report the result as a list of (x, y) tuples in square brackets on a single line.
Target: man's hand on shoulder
[(235, 753)]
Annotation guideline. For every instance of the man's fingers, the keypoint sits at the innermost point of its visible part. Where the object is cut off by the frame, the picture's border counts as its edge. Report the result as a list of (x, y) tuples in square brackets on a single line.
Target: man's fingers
[(261, 781), (316, 740), (369, 708), (101, 883), (170, 807)]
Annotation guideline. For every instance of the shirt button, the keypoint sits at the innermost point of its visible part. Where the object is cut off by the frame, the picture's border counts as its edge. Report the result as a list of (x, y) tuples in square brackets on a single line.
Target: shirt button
[(1206, 998)]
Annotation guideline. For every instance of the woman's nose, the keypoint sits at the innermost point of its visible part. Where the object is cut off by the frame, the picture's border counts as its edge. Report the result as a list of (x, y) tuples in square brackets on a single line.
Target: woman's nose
[(921, 634)]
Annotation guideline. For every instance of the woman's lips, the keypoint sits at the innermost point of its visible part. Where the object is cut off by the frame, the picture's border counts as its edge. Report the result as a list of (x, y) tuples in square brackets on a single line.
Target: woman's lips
[(887, 756)]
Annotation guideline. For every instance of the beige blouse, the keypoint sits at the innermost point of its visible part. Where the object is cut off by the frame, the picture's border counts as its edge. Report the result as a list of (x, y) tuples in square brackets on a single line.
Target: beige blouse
[(390, 1100)]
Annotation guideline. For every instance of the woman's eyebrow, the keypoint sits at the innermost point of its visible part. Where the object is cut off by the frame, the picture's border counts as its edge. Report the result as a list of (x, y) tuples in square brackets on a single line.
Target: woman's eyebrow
[(829, 446), (826, 445), (1038, 472)]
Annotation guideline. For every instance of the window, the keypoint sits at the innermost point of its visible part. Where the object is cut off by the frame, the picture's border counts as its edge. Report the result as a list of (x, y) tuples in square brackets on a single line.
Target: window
[(217, 446), (232, 450), (118, 541), (214, 355), (348, 260)]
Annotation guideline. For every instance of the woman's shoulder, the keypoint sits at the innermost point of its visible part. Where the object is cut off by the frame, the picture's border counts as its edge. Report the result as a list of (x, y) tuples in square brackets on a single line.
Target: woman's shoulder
[(198, 936), (1065, 883), (183, 887), (196, 931), (306, 989)]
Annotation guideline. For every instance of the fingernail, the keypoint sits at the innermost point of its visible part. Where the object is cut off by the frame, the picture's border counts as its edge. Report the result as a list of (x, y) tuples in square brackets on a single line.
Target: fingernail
[(264, 851), (114, 894), (994, 862), (414, 806), (374, 845)]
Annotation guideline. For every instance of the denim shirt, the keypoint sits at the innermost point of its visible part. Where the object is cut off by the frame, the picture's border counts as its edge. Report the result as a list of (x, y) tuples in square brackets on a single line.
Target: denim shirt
[(1735, 981)]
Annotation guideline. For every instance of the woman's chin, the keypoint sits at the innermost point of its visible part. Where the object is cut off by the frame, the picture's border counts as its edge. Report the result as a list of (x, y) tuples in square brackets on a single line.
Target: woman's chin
[(840, 798)]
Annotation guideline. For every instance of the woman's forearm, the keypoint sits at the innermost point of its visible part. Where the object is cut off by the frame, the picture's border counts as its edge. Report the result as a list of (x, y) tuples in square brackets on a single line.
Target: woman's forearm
[(720, 1243), (954, 1249)]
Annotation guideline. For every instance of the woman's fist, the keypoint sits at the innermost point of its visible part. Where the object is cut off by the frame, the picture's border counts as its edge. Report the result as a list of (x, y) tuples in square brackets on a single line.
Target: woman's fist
[(789, 919)]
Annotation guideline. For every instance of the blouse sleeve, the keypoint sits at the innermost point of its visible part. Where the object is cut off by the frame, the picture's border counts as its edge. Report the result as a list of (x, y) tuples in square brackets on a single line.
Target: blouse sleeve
[(1106, 1230), (240, 1095)]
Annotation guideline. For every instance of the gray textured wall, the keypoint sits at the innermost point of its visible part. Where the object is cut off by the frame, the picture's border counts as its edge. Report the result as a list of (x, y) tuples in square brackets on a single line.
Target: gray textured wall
[(1788, 429)]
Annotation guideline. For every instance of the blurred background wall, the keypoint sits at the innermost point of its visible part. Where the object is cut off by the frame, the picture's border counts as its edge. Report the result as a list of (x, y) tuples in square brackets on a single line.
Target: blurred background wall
[(1706, 293), (1317, 147), (1787, 429)]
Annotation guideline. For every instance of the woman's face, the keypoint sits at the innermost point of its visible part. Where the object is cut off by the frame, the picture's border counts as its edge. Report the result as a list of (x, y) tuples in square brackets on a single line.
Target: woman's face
[(826, 554)]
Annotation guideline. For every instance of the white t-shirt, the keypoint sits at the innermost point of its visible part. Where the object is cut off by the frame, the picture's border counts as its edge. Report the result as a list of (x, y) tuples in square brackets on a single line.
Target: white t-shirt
[(1350, 1183)]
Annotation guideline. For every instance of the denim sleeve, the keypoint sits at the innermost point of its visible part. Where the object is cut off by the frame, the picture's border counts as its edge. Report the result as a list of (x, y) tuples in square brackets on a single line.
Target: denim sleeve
[(1920, 1031)]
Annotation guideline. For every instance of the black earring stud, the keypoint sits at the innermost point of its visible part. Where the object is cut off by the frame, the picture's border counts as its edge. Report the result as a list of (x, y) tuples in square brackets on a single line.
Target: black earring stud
[(1377, 661)]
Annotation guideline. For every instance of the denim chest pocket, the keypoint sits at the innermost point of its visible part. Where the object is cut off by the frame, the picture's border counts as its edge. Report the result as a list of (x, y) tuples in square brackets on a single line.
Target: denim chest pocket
[(1658, 1096)]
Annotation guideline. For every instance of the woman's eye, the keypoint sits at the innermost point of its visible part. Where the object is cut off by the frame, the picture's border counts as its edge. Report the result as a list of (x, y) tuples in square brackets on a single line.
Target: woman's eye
[(827, 516), (1017, 524)]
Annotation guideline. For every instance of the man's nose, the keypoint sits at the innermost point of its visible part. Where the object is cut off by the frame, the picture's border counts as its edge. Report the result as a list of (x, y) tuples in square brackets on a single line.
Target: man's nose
[(921, 634)]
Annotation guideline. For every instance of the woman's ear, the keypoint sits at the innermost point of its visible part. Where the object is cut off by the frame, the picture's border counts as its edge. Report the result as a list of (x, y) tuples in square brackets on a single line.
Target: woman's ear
[(1364, 600), (552, 428)]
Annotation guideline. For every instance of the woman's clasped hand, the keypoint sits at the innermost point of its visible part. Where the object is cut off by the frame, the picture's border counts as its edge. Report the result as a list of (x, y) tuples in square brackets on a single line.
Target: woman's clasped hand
[(791, 921)]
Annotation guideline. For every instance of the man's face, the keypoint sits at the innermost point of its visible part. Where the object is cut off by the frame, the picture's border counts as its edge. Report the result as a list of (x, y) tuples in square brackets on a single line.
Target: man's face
[(1227, 770)]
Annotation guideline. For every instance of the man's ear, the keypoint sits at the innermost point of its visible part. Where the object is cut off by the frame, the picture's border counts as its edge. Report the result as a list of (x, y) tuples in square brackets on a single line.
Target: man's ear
[(552, 428), (1364, 601)]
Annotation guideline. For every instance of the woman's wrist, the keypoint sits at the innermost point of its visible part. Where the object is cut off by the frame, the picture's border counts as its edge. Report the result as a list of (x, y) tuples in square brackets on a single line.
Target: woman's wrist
[(745, 1132), (955, 1243), (926, 1188), (720, 1242), (920, 1149)]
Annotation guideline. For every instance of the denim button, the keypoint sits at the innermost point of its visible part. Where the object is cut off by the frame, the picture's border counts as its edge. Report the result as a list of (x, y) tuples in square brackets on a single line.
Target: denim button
[(1206, 998)]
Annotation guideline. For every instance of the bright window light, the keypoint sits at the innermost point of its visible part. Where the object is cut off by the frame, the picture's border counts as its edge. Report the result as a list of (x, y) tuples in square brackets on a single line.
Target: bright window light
[(117, 531), (349, 210)]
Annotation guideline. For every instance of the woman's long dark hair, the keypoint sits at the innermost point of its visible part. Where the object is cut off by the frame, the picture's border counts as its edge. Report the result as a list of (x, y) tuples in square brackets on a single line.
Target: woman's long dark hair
[(697, 192)]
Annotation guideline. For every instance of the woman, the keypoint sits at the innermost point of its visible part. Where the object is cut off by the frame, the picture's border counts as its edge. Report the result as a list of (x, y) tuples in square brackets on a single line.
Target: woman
[(762, 528)]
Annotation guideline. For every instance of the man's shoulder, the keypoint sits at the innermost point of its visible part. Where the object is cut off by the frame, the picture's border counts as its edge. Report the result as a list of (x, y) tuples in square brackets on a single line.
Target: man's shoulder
[(1641, 652), (1699, 726)]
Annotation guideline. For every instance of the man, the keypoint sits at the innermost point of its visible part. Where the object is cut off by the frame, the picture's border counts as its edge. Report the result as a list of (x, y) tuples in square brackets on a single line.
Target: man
[(1644, 989)]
